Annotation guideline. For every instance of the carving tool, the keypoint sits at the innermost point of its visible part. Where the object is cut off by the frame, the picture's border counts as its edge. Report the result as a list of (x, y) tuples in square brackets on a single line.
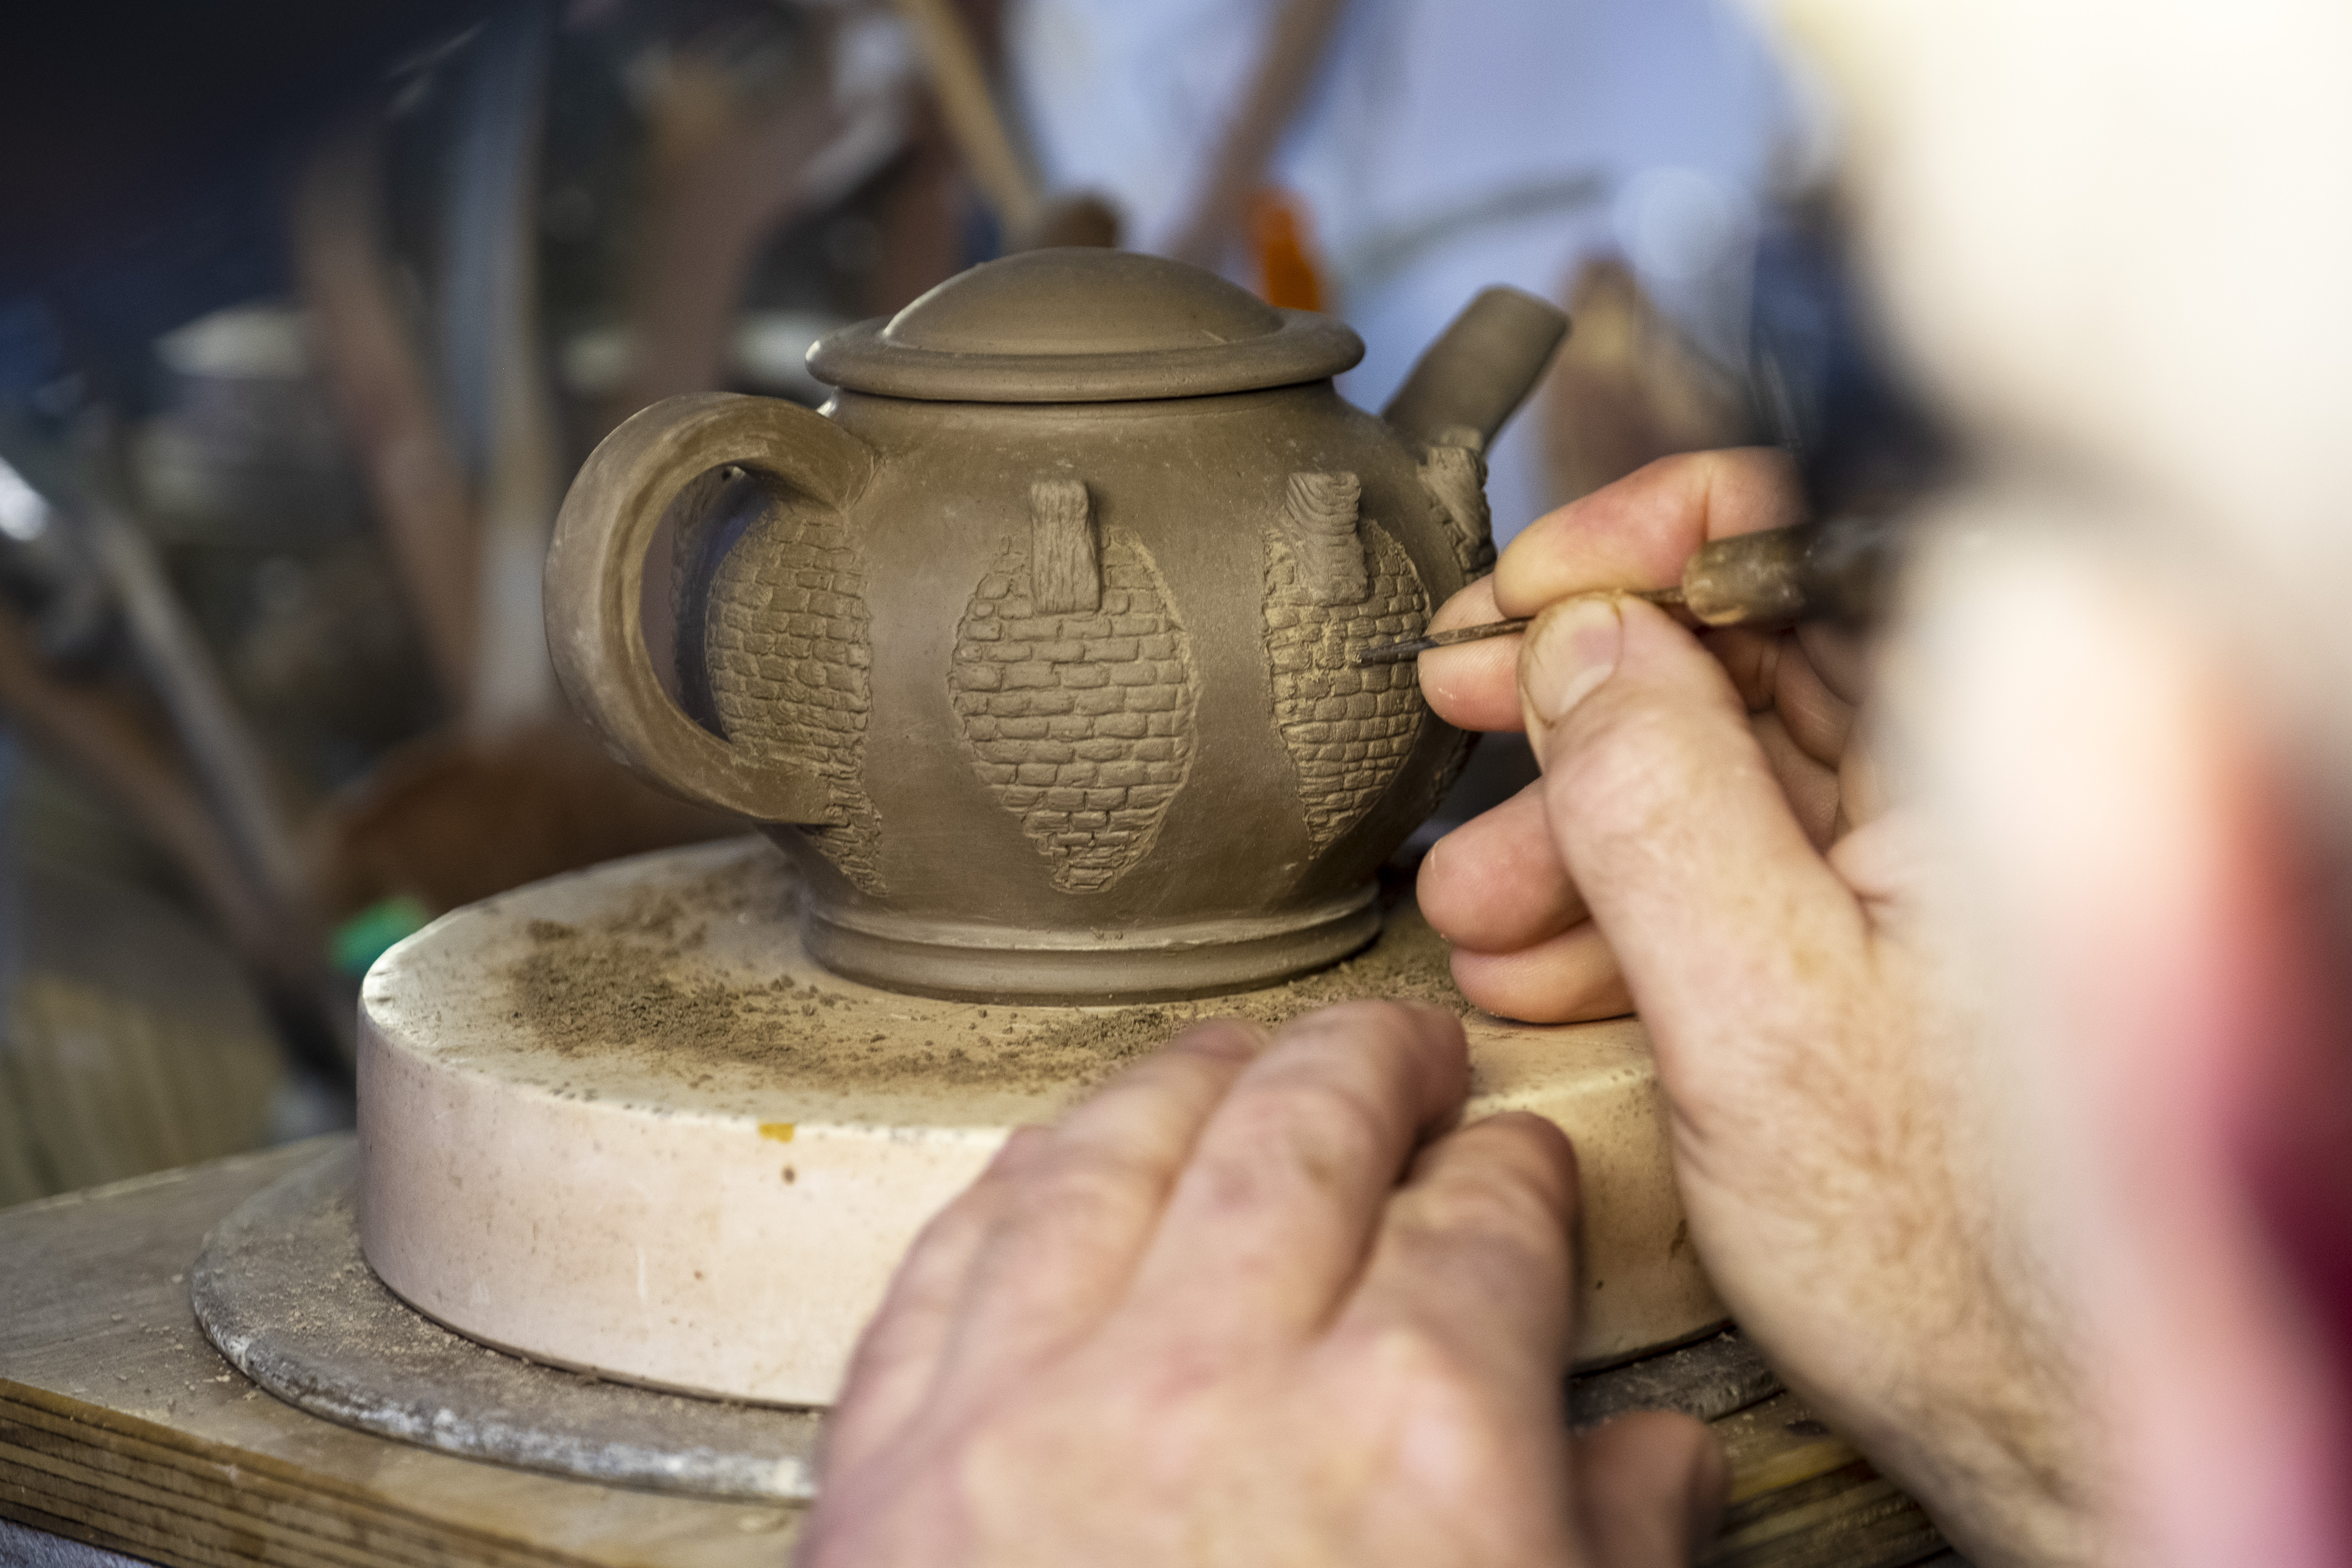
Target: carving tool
[(1833, 569)]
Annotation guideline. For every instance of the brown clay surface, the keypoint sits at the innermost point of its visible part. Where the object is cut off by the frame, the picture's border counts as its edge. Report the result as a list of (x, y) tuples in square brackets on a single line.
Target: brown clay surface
[(628, 984)]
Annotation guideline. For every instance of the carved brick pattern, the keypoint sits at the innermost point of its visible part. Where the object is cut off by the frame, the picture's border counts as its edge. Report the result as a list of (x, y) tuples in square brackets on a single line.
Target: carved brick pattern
[(1081, 724), (791, 662), (1348, 730)]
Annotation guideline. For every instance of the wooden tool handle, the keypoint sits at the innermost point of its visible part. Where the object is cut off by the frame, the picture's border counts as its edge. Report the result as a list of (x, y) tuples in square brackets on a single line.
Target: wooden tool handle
[(595, 586), (1833, 569)]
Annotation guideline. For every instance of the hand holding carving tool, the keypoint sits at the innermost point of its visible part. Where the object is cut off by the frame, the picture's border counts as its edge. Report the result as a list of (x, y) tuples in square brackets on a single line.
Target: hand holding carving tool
[(1833, 569)]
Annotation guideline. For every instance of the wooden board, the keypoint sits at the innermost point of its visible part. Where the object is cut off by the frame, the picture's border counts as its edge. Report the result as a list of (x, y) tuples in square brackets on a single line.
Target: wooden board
[(120, 1426)]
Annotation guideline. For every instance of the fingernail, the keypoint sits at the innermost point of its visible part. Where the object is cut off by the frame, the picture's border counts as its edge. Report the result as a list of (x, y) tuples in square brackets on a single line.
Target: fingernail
[(1571, 649)]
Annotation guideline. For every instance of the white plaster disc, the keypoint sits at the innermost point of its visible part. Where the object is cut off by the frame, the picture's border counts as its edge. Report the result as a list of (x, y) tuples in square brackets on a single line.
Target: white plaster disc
[(621, 1121)]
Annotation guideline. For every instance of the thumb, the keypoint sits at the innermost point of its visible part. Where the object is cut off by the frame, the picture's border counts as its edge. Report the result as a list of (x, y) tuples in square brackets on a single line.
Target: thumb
[(1650, 1489), (1673, 828)]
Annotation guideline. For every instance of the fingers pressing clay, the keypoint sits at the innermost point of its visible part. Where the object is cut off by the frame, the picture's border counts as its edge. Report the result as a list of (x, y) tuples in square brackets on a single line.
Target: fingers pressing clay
[(1270, 1221)]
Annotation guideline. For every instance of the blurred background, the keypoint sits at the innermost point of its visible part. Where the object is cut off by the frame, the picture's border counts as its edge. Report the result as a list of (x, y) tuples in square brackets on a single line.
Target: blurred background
[(308, 313)]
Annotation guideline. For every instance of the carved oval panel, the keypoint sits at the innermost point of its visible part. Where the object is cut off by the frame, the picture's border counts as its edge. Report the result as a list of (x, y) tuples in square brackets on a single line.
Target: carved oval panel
[(1348, 730), (1078, 716)]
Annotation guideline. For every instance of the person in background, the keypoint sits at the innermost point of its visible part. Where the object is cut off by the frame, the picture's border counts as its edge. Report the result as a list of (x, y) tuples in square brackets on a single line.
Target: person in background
[(1428, 150), (1997, 971)]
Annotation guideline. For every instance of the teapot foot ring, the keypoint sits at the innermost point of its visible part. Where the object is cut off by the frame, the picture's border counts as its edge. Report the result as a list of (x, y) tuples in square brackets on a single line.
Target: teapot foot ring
[(972, 963)]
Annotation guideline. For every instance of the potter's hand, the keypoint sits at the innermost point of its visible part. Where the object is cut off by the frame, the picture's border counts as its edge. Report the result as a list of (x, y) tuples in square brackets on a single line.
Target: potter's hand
[(1840, 1167), (1249, 1306), (1523, 941)]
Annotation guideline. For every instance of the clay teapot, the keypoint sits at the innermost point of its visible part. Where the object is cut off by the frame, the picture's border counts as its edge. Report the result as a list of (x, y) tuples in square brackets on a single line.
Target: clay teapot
[(1031, 648)]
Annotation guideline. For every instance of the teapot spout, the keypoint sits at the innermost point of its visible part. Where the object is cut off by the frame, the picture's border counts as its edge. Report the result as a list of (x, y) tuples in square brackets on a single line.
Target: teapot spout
[(1480, 369)]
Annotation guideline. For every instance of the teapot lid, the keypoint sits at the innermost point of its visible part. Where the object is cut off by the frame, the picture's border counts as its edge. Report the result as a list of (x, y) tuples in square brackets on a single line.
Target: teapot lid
[(1081, 325)]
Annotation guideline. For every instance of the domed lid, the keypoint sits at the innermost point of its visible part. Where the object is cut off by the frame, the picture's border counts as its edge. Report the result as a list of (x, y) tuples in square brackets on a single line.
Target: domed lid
[(1083, 326)]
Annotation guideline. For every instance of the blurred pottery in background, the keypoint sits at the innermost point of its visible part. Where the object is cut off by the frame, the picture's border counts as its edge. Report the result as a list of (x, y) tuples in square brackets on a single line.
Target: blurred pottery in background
[(247, 453), (1034, 651), (448, 819)]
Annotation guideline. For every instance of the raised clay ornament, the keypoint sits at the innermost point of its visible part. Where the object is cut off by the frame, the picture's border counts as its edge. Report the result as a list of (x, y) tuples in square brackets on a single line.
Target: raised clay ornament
[(1033, 649)]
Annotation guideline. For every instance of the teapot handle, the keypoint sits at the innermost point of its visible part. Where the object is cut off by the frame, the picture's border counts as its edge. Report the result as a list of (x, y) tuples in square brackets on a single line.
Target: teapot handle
[(595, 586)]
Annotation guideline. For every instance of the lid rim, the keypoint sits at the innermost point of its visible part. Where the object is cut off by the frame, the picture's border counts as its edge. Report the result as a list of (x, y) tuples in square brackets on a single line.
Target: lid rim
[(1306, 348)]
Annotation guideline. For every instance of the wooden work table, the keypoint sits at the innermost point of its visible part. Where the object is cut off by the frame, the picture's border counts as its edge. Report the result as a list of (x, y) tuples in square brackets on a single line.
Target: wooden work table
[(121, 1427)]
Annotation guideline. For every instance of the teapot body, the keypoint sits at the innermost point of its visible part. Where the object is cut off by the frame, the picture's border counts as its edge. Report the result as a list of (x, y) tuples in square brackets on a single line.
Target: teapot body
[(1077, 680), (1034, 648)]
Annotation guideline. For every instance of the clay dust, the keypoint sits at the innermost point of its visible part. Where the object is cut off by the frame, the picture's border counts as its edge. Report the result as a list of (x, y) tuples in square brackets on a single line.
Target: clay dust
[(636, 981)]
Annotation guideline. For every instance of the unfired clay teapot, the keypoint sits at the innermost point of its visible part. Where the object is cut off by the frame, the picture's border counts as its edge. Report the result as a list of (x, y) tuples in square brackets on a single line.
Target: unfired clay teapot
[(1032, 648)]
